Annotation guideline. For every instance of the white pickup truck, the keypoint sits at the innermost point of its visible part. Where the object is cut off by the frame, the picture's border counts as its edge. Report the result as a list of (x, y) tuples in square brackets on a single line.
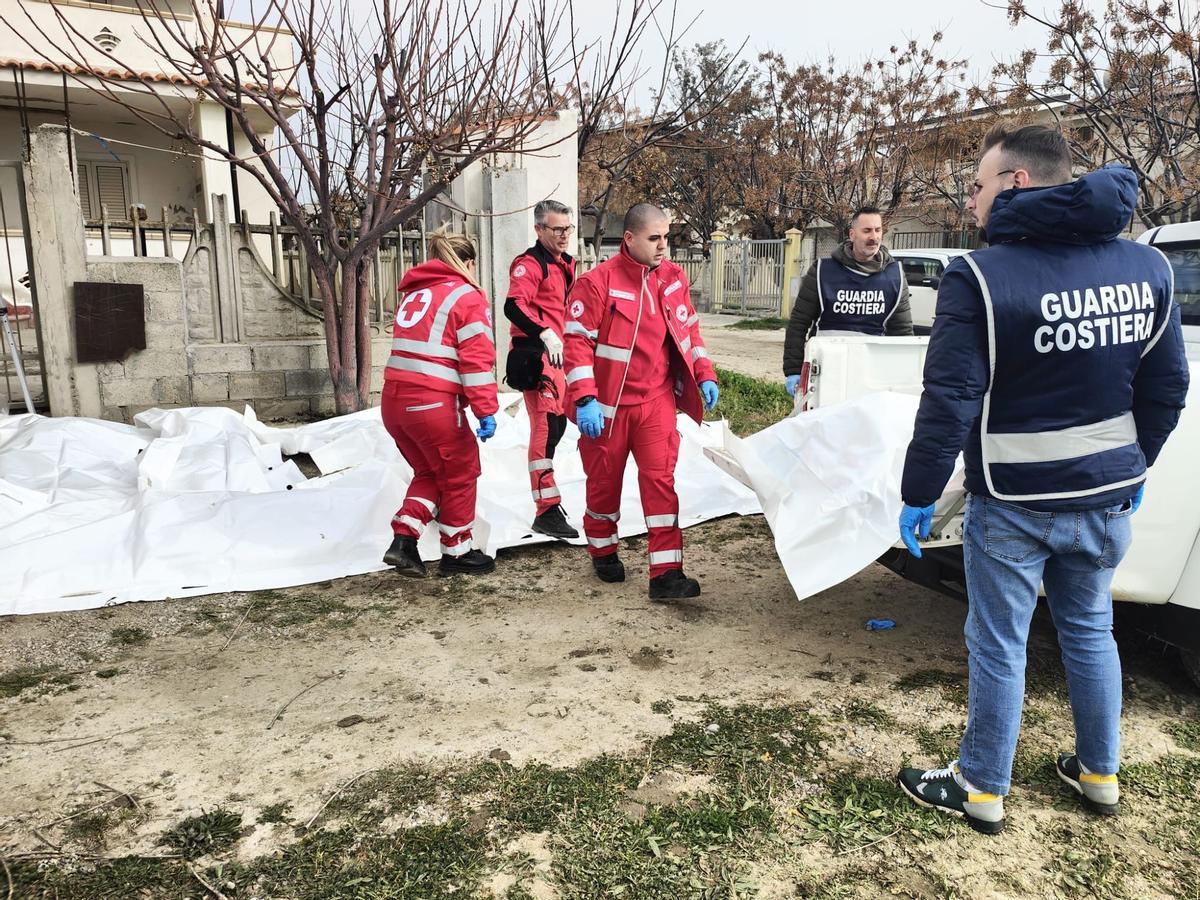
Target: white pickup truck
[(1160, 577)]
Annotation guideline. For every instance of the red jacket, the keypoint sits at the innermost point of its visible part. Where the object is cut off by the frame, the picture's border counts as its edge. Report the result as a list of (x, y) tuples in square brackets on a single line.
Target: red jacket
[(538, 283), (443, 339), (604, 312)]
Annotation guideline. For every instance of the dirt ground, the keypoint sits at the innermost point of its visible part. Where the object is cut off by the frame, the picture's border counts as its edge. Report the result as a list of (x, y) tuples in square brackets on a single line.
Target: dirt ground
[(755, 353), (271, 702)]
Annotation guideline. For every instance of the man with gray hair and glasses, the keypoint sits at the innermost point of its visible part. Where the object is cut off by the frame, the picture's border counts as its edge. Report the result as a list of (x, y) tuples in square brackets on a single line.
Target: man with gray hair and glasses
[(538, 282)]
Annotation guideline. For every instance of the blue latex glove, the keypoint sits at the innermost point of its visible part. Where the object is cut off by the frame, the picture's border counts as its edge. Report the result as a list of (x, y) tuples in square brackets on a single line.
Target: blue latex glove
[(590, 418), (1137, 498), (913, 518), (793, 382), (708, 390), (487, 428)]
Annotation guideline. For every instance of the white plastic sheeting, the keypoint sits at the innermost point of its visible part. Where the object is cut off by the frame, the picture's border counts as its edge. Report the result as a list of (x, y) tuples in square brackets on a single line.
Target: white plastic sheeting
[(200, 501), (829, 484)]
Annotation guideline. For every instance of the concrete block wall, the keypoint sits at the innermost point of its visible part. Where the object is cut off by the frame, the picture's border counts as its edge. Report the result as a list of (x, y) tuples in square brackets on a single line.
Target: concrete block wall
[(279, 378)]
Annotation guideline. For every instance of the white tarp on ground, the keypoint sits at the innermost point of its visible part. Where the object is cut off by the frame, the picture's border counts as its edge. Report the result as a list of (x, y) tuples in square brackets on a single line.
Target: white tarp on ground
[(201, 501), (829, 484)]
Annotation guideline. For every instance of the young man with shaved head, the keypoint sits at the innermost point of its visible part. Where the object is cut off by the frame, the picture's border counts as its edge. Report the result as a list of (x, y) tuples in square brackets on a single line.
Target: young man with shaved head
[(633, 357)]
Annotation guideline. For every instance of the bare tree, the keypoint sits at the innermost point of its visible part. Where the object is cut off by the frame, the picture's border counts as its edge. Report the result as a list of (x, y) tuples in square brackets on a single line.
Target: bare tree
[(384, 105), (614, 133), (1125, 85)]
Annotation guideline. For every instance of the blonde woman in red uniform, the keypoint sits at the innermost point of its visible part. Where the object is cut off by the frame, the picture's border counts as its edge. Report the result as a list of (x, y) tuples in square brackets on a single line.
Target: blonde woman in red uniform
[(443, 354)]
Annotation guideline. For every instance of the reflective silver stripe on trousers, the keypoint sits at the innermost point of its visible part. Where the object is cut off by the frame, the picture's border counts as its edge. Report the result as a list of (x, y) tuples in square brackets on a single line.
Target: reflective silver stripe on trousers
[(614, 517), (577, 328), (425, 407), (540, 465), (425, 348), (455, 549), (428, 504), (451, 530), (469, 331), (607, 351), (604, 542), (415, 524), (475, 379), (425, 368), (699, 353), (546, 494), (662, 521), (658, 557), (579, 373), (1065, 443)]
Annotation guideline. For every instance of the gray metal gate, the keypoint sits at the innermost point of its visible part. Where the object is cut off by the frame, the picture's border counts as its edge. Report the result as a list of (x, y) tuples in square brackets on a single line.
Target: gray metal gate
[(19, 293), (751, 277)]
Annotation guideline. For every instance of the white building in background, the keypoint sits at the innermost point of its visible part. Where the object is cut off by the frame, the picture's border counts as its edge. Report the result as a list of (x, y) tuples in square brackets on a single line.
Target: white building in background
[(120, 161)]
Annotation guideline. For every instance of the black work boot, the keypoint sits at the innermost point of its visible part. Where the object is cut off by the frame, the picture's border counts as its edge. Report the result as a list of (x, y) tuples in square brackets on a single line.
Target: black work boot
[(673, 585), (404, 558), (473, 562), (553, 523), (609, 568)]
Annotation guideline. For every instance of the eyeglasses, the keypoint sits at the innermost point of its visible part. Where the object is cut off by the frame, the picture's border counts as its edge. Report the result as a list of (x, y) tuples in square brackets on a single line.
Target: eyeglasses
[(560, 230), (977, 187)]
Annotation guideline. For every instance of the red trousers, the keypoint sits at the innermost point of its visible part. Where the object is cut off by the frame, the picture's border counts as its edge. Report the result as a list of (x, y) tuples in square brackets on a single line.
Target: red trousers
[(434, 436), (546, 427), (648, 432)]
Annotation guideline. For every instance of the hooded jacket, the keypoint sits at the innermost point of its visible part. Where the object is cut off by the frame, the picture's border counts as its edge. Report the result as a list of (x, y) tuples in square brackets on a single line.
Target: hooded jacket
[(1056, 363), (442, 339), (806, 312)]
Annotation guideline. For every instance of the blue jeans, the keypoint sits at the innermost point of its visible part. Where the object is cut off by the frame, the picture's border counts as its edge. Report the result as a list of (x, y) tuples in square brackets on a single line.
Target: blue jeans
[(1009, 551)]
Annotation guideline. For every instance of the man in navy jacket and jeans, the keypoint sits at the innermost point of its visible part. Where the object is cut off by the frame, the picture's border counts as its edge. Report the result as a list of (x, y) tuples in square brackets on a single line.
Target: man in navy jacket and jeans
[(1056, 365)]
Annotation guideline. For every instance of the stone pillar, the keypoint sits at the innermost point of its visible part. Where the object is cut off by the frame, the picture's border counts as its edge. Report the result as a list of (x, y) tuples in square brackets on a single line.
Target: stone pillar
[(215, 177), (509, 227), (716, 262), (58, 260), (792, 261)]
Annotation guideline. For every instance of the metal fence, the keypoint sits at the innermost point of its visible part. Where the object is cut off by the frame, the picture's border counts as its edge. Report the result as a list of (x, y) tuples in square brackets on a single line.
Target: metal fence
[(962, 239), (748, 277)]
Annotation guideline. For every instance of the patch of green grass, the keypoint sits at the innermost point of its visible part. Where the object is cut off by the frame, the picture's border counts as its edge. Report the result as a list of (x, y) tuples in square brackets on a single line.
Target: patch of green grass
[(864, 712), (1186, 734), (768, 323), (280, 609), (1089, 866), (129, 637), (210, 832), (662, 707), (854, 810), (125, 877), (752, 749), (941, 744), (91, 829), (16, 681), (274, 814), (536, 797), (445, 860), (952, 684), (750, 404)]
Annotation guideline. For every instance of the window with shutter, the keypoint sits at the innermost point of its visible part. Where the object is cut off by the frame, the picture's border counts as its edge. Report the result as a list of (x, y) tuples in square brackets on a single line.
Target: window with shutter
[(112, 189), (85, 192)]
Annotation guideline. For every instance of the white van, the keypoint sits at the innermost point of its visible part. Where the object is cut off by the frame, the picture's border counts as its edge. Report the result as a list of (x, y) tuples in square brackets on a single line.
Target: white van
[(923, 269), (1160, 577)]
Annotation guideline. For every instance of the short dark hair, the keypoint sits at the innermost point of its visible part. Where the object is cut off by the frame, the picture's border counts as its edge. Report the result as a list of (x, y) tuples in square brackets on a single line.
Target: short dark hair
[(867, 210), (1040, 150), (642, 214)]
